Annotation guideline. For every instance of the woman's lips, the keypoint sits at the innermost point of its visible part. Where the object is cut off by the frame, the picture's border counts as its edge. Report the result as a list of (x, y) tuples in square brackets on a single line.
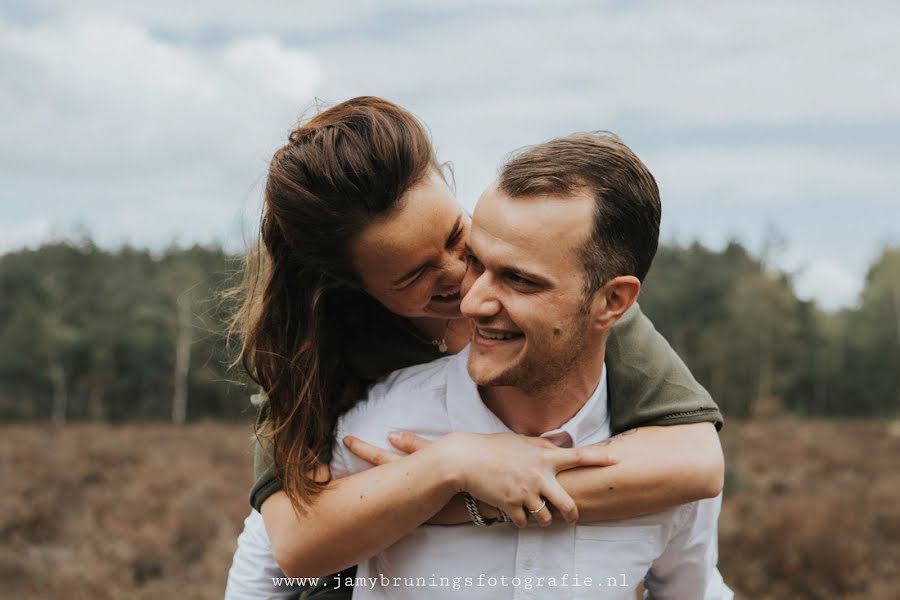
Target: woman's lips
[(454, 297), (445, 306)]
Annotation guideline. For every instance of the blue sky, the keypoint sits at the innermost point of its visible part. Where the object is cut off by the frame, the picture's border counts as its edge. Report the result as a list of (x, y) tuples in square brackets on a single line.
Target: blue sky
[(150, 123)]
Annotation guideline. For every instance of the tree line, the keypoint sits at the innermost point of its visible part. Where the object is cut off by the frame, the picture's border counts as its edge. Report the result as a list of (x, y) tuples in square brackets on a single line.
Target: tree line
[(121, 335)]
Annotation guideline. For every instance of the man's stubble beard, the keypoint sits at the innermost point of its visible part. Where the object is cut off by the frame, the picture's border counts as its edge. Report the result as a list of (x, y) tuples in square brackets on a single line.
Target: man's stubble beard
[(538, 371)]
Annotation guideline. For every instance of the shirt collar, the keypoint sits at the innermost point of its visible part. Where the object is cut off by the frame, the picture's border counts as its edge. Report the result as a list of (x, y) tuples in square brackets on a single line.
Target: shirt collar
[(468, 412)]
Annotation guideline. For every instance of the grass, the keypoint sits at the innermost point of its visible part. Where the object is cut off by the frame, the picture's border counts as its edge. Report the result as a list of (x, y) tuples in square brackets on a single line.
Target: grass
[(151, 511)]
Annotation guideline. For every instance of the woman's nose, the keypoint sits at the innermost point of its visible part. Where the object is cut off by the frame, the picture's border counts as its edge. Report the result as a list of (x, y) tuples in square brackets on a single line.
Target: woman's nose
[(454, 272)]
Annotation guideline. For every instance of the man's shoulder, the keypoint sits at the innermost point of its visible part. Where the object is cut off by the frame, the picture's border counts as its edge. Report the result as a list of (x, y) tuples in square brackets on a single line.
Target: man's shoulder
[(413, 388), (412, 399), (430, 375)]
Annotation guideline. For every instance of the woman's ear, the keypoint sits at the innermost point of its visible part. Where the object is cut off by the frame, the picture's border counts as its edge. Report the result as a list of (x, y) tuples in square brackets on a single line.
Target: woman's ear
[(613, 300)]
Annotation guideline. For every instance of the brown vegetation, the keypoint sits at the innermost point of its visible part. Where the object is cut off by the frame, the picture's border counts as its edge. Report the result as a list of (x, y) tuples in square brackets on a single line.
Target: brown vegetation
[(813, 510), (92, 511)]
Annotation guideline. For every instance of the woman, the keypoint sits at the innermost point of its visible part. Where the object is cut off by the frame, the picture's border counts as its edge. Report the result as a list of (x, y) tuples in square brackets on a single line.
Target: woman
[(364, 252)]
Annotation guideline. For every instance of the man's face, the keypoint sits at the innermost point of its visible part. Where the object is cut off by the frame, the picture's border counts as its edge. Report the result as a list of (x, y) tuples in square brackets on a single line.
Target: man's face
[(523, 289)]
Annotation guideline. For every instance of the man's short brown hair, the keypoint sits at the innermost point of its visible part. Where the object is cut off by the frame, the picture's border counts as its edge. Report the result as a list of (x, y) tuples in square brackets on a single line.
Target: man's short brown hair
[(625, 233)]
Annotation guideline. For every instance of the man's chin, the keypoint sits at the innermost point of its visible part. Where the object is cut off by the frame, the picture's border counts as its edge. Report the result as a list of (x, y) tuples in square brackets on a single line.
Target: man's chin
[(488, 375)]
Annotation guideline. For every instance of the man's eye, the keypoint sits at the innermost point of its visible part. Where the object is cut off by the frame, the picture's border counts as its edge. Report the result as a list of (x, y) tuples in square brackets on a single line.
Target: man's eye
[(517, 279)]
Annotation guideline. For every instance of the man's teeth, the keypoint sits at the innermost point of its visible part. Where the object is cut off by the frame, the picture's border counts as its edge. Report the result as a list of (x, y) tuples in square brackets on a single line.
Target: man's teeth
[(496, 336), (449, 294)]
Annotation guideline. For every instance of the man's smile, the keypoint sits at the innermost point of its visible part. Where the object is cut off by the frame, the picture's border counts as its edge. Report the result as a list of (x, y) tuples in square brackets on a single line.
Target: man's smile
[(490, 337)]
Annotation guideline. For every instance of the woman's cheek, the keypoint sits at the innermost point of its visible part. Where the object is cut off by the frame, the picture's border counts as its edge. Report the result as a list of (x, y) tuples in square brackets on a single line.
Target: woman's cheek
[(410, 304)]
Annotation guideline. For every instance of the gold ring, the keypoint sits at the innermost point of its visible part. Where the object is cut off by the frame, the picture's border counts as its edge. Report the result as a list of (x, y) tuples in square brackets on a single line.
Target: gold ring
[(538, 509)]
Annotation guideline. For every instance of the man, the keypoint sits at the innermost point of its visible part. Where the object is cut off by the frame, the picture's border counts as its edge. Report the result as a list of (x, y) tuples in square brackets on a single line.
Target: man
[(558, 249)]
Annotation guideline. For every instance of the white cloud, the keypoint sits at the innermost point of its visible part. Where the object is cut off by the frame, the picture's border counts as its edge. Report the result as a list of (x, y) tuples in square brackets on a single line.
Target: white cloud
[(97, 99), (142, 139), (773, 175), (27, 234), (154, 120), (273, 16), (833, 284), (701, 63)]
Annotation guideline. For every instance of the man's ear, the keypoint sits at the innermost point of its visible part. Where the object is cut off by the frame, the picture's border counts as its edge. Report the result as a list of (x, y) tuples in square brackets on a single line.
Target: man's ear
[(613, 300)]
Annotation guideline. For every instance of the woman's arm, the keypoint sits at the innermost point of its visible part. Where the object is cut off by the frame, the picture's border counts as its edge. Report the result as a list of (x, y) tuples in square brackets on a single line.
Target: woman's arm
[(354, 517), (359, 515), (657, 468)]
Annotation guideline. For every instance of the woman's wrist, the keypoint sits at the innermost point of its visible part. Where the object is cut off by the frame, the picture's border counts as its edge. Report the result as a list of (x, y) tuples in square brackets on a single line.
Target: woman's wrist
[(446, 464)]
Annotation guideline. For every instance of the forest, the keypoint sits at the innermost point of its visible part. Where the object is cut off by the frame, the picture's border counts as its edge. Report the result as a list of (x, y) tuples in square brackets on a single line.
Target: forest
[(92, 334)]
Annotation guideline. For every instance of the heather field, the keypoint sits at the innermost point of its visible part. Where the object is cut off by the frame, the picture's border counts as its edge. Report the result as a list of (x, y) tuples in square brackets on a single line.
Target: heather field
[(152, 511)]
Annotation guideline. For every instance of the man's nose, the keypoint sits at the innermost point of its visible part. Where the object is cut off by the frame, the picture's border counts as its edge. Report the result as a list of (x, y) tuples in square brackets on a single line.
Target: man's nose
[(480, 301)]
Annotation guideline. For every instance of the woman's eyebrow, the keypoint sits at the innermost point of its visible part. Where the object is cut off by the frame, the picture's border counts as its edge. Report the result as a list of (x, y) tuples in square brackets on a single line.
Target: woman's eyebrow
[(454, 232)]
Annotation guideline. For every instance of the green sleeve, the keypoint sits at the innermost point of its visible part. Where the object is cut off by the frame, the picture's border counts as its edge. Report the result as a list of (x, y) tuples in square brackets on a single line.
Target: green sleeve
[(266, 482), (648, 383)]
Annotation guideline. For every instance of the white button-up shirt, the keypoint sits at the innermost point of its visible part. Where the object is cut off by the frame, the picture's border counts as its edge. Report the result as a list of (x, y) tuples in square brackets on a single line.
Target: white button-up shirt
[(674, 552)]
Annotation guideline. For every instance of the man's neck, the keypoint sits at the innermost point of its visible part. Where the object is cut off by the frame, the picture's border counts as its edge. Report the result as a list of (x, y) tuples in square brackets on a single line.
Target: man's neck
[(533, 412)]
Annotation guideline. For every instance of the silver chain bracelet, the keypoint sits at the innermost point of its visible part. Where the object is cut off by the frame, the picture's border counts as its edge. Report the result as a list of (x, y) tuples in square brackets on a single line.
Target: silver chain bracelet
[(472, 507), (478, 518)]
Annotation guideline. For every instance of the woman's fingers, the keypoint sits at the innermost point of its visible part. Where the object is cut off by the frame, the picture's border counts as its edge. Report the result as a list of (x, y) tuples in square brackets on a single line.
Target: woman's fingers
[(560, 498), (539, 512), (369, 453), (517, 516), (407, 442), (540, 441), (597, 456), (585, 456)]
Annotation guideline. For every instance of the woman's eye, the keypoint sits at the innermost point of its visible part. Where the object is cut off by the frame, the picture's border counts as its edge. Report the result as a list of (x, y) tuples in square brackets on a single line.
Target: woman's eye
[(413, 280)]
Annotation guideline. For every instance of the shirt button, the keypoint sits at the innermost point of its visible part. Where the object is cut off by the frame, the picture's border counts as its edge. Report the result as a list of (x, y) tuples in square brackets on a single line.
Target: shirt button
[(528, 563)]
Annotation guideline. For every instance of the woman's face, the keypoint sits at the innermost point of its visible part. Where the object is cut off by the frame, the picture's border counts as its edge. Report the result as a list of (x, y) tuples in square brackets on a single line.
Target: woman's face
[(413, 261)]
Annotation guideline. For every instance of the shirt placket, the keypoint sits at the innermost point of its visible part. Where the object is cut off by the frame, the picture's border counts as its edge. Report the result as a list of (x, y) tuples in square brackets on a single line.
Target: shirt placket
[(526, 563)]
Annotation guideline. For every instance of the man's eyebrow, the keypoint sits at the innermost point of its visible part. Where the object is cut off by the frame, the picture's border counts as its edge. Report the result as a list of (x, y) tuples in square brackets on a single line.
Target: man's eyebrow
[(525, 273), (453, 233)]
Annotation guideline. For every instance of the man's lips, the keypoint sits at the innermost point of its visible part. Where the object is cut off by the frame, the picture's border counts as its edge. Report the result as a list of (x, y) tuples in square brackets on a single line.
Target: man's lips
[(489, 337)]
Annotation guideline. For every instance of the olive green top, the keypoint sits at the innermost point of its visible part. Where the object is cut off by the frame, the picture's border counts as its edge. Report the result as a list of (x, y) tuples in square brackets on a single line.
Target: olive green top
[(648, 382)]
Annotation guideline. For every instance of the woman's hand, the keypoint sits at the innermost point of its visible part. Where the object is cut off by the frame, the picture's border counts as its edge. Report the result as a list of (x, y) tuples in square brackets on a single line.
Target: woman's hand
[(512, 472)]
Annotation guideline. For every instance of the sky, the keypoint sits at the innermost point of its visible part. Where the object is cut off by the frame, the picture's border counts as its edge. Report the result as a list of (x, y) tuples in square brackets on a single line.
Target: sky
[(151, 123)]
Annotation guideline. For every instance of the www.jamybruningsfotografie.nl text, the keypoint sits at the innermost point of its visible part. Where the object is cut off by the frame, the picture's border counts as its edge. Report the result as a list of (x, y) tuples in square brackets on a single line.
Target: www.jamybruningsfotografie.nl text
[(456, 583)]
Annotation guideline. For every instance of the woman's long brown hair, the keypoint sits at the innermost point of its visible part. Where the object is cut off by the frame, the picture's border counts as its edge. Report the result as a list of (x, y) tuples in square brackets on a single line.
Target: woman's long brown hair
[(341, 170)]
